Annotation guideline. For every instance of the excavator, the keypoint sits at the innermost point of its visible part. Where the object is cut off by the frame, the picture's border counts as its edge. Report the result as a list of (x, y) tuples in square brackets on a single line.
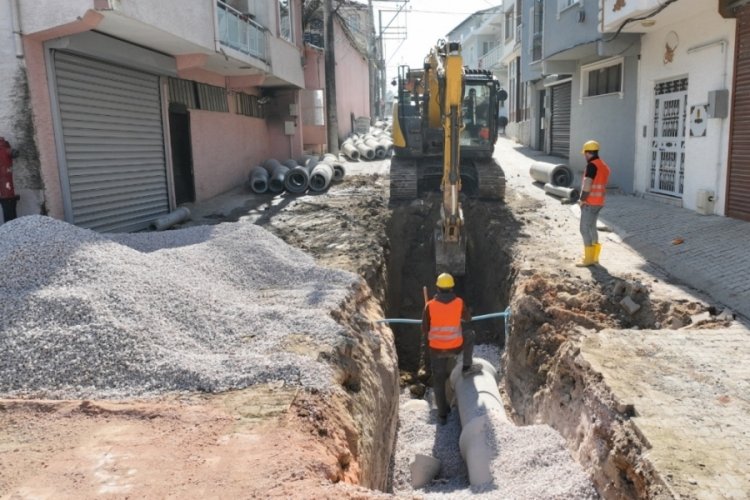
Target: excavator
[(444, 133)]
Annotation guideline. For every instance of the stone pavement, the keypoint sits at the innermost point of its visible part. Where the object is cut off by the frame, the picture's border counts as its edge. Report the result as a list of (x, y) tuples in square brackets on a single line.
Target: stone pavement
[(690, 388)]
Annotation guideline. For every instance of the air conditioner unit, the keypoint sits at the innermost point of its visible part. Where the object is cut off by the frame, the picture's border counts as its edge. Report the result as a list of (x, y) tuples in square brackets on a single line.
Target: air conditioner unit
[(705, 202)]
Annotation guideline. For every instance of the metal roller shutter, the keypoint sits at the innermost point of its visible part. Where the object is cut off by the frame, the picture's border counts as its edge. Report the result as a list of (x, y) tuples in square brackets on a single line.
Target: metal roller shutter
[(114, 144), (738, 180), (560, 123)]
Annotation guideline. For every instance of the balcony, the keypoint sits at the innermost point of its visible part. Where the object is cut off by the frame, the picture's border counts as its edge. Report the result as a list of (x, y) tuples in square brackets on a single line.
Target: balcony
[(493, 59), (239, 32)]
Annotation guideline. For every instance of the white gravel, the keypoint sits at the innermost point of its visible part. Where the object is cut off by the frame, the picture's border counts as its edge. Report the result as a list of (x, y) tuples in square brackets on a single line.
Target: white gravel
[(532, 461), (206, 308)]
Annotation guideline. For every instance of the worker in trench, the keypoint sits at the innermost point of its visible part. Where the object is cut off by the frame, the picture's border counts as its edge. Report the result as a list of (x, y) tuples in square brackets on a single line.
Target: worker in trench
[(593, 193), (445, 339)]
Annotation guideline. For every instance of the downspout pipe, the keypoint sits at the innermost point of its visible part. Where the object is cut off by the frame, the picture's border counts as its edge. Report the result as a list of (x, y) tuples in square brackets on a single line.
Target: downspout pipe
[(15, 15)]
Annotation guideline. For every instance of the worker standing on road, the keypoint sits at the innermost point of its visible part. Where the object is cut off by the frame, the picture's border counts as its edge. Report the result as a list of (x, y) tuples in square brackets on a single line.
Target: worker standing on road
[(441, 326), (593, 192)]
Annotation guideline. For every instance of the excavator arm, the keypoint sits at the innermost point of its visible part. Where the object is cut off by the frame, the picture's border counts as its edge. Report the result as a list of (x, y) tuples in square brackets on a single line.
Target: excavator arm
[(450, 240)]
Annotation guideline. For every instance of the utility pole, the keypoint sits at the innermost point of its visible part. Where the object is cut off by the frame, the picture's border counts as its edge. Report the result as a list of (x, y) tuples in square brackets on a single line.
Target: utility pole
[(332, 122)]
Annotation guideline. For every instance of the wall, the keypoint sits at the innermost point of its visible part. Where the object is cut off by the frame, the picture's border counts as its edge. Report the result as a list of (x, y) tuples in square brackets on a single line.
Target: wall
[(609, 120), (352, 83), (16, 121), (225, 147), (706, 69)]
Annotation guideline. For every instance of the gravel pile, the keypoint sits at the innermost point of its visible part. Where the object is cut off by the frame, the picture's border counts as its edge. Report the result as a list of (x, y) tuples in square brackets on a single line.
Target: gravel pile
[(206, 308), (532, 462)]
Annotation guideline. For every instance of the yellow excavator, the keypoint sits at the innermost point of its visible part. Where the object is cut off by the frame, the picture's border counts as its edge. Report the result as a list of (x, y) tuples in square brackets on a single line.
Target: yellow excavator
[(444, 129)]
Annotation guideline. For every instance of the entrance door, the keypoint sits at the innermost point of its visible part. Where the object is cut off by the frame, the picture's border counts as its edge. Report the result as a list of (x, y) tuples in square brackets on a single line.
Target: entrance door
[(668, 143), (182, 153), (560, 122)]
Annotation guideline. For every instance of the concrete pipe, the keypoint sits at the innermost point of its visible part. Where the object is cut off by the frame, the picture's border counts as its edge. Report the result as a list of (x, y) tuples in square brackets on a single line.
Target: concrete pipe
[(289, 163), (387, 143), (380, 150), (350, 150), (166, 221), (365, 151), (305, 159), (555, 174), (276, 174), (338, 167), (258, 180), (320, 177), (481, 411), (565, 193), (297, 180)]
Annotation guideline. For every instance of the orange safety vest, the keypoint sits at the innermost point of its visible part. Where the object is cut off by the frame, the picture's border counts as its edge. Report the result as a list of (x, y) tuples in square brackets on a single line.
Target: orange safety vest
[(445, 324), (599, 185)]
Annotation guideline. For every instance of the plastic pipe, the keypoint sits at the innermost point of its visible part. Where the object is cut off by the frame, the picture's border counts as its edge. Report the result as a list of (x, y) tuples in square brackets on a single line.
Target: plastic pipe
[(481, 411), (504, 314), (555, 174), (166, 221)]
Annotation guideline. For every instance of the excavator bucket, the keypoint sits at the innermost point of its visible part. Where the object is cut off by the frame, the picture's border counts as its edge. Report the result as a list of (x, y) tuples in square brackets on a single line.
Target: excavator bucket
[(450, 257)]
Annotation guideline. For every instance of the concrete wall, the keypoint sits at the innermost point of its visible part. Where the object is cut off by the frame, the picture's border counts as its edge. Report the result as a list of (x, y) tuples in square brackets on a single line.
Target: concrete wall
[(608, 119), (225, 147), (352, 83), (707, 69), (16, 120), (563, 29)]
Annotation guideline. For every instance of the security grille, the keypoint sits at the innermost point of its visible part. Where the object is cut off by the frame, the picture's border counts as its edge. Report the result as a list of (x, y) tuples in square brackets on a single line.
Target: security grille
[(560, 123)]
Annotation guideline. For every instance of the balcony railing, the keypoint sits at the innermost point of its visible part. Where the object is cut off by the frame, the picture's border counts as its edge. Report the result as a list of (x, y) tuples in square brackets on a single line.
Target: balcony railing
[(240, 32), (492, 59)]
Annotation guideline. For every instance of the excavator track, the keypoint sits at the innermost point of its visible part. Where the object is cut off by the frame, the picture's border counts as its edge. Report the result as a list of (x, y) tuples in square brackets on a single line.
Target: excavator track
[(404, 179), (491, 179)]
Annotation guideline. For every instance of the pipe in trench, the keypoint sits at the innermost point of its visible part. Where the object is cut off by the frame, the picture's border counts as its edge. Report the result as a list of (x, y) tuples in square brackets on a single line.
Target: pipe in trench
[(481, 412)]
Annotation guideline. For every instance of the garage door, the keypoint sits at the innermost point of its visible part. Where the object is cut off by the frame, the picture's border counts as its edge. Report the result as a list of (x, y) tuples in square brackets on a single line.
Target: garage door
[(560, 124), (113, 144), (738, 180)]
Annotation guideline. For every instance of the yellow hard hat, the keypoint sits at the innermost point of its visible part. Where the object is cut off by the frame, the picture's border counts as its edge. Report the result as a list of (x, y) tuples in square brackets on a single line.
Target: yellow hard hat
[(590, 146), (445, 280)]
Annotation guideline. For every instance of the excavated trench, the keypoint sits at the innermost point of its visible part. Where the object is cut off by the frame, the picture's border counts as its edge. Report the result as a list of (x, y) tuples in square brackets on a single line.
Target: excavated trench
[(485, 287), (544, 380)]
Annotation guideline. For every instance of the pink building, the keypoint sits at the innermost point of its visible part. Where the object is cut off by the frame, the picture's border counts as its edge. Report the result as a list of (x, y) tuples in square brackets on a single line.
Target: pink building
[(139, 106)]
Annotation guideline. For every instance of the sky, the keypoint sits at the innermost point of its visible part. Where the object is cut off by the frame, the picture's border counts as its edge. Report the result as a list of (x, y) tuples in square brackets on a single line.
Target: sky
[(426, 22)]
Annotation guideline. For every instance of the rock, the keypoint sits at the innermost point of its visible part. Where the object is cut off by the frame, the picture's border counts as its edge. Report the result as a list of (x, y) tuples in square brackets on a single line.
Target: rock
[(630, 306), (417, 390), (725, 315)]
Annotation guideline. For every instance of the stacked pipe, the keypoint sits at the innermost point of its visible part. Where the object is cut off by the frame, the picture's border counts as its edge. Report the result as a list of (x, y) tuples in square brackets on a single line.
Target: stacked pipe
[(376, 144), (296, 177)]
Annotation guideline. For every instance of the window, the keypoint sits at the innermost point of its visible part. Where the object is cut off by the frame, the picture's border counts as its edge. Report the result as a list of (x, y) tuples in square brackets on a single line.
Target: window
[(248, 105), (518, 21), (285, 20), (602, 78), (564, 4), (509, 24), (537, 17), (313, 109), (196, 95)]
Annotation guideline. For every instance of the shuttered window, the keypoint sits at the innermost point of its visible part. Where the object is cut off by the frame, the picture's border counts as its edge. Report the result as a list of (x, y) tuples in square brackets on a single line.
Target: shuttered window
[(196, 95), (248, 105), (738, 178), (113, 142)]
